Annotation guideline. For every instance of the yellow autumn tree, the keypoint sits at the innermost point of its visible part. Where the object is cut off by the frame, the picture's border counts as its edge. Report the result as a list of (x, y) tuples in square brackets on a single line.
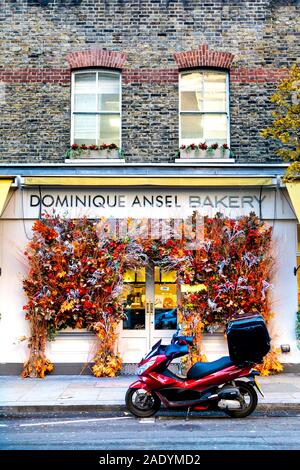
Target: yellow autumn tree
[(286, 123)]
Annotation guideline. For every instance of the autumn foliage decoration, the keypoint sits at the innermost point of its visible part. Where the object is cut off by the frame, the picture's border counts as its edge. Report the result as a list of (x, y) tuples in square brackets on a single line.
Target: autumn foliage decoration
[(75, 279), (234, 266)]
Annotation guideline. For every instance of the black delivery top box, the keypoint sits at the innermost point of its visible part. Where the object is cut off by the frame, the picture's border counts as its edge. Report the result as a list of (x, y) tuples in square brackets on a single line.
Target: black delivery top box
[(248, 339)]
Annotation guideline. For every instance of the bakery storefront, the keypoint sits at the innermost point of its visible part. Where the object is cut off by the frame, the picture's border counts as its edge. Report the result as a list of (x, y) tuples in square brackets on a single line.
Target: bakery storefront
[(152, 294)]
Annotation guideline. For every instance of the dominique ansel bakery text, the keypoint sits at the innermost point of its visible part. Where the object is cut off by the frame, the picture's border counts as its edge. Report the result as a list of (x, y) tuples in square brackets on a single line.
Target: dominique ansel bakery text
[(157, 200)]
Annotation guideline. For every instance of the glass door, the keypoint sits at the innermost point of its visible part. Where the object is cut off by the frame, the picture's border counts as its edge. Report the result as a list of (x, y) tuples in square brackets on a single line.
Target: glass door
[(135, 300), (150, 306), (163, 321), (134, 338)]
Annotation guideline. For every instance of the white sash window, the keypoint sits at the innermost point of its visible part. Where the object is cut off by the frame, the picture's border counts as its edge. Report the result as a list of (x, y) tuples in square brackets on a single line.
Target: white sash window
[(96, 107), (204, 107)]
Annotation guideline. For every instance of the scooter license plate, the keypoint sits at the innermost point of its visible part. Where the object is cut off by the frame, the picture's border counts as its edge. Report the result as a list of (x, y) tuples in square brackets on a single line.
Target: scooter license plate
[(258, 387)]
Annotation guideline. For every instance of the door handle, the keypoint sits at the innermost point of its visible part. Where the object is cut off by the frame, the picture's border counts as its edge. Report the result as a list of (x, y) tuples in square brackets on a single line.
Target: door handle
[(152, 313), (150, 308)]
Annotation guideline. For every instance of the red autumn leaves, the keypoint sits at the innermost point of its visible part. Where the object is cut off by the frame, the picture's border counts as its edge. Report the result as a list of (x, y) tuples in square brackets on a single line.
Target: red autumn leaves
[(71, 277), (235, 266)]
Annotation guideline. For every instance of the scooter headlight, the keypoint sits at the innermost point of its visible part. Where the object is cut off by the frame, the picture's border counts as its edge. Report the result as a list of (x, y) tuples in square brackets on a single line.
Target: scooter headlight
[(141, 369)]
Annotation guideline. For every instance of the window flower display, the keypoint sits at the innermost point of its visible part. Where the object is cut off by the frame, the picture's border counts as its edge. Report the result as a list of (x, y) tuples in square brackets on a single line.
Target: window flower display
[(202, 150), (103, 151)]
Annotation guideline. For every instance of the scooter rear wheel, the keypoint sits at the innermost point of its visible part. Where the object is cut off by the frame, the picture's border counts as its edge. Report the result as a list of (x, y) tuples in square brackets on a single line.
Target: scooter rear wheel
[(140, 403), (250, 397)]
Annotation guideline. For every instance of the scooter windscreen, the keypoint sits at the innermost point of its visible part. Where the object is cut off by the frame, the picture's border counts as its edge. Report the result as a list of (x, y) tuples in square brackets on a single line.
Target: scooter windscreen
[(175, 350)]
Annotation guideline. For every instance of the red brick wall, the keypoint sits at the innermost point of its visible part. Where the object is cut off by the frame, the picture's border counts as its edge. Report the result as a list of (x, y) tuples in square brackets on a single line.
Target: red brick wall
[(43, 75), (203, 57), (96, 58)]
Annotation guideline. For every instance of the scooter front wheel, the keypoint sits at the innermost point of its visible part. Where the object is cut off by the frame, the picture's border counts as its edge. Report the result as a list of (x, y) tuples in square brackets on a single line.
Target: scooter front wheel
[(249, 397), (140, 403)]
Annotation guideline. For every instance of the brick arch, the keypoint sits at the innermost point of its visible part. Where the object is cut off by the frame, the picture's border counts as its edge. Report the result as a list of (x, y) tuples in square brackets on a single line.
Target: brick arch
[(96, 58), (203, 57)]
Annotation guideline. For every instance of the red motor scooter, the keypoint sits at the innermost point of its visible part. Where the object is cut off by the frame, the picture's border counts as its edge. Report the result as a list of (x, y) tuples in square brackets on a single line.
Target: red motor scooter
[(207, 386)]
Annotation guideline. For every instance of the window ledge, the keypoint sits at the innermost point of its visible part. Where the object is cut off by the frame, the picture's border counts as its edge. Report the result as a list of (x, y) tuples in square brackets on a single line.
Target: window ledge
[(204, 160), (94, 161)]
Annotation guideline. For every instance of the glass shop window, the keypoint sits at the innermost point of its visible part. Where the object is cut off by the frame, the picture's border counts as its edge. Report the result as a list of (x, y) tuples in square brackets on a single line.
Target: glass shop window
[(135, 299), (165, 301)]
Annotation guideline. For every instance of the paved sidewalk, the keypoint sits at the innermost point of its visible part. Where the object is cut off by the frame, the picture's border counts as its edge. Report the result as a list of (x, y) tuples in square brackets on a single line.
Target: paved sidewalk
[(70, 393)]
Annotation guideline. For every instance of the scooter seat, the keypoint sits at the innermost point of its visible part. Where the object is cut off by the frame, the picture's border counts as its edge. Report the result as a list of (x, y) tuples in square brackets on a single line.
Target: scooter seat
[(201, 369)]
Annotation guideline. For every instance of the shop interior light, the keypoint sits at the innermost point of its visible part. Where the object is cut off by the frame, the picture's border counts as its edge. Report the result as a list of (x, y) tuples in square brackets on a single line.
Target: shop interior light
[(285, 348)]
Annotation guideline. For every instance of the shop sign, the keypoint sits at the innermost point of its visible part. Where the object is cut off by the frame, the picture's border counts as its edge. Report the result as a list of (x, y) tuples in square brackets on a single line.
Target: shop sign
[(140, 203)]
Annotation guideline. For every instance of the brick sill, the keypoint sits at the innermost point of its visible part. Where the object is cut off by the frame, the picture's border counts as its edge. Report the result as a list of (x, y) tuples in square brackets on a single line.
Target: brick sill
[(95, 161), (204, 160)]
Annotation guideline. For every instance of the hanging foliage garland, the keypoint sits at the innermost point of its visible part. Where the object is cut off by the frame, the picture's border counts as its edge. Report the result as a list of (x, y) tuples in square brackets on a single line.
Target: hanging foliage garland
[(235, 266), (72, 282), (75, 280), (76, 270)]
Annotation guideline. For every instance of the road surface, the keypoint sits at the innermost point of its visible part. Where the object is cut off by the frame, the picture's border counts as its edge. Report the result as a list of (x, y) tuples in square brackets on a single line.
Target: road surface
[(119, 430)]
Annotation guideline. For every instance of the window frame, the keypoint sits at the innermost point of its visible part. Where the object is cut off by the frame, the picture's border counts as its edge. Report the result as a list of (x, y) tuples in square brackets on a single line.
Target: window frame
[(73, 112), (227, 112)]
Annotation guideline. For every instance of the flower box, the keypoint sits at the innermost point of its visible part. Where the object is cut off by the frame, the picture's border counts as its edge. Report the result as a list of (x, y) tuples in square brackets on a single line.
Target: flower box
[(93, 152), (105, 153), (218, 153), (203, 151)]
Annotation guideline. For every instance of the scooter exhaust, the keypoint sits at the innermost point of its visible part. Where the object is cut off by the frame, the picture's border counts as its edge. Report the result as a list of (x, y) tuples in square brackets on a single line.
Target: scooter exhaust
[(229, 393), (230, 398), (229, 405)]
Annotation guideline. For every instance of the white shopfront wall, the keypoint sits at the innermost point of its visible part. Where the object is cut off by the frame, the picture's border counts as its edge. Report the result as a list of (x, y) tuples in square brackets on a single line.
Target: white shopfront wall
[(27, 204)]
